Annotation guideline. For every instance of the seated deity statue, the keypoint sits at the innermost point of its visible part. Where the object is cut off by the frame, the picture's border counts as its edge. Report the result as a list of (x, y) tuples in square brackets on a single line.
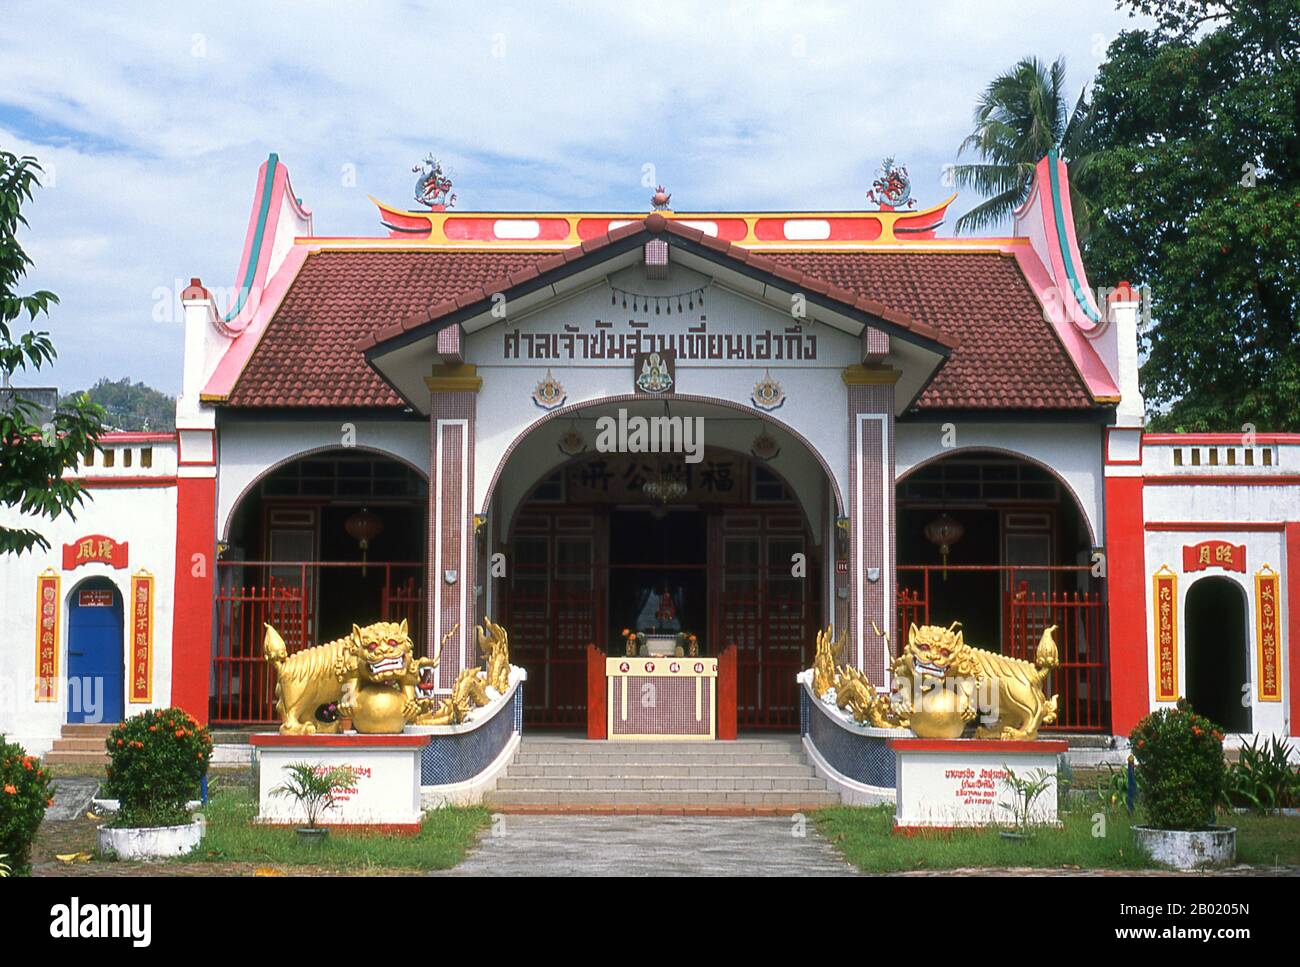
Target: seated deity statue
[(659, 610)]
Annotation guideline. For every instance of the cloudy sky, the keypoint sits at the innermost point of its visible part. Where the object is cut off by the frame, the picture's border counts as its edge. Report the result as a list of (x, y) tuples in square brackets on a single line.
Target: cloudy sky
[(152, 120)]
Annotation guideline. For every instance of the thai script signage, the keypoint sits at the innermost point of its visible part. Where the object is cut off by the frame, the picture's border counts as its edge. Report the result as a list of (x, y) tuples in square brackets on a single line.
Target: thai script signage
[(1165, 598), (47, 635), (1266, 636), (94, 549), (609, 342), (142, 597), (1230, 557)]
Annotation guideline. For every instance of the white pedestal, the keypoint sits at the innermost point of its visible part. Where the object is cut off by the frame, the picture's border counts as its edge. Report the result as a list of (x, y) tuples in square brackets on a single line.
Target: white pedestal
[(387, 791), (952, 783)]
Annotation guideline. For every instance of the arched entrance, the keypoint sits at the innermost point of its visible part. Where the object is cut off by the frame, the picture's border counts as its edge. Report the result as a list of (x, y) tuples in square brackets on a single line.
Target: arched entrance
[(1023, 562), (293, 557), (1218, 652), (96, 664), (600, 535)]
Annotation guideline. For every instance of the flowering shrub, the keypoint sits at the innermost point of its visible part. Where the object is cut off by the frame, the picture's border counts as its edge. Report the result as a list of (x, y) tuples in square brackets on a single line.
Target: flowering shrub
[(158, 760), (1180, 768), (24, 795)]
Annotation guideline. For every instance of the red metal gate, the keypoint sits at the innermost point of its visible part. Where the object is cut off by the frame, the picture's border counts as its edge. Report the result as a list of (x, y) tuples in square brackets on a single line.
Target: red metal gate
[(773, 636), (1080, 680), (252, 594)]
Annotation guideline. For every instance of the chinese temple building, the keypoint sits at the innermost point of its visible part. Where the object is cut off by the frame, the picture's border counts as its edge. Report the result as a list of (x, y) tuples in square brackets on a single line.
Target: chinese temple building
[(735, 427)]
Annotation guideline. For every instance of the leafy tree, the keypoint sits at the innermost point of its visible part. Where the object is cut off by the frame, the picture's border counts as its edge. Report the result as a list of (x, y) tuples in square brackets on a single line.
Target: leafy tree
[(1194, 171), (34, 456), (1022, 114), (132, 406)]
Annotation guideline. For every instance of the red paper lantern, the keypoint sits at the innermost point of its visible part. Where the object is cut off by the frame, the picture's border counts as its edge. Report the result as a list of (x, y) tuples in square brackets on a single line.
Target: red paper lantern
[(944, 531)]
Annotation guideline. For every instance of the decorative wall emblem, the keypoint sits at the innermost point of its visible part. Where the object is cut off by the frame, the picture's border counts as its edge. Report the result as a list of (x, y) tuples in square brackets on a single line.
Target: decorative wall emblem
[(572, 443), (549, 392), (768, 394), (655, 372), (1230, 557), (892, 188), (764, 446)]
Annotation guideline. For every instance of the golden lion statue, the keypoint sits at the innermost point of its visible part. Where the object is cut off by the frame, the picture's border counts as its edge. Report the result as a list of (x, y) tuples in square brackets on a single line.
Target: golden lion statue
[(372, 675), (853, 690), (947, 677)]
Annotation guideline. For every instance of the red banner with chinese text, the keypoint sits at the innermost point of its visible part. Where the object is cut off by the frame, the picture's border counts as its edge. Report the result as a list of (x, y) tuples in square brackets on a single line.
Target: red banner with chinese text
[(95, 549), (141, 668), (47, 636), (1266, 634), (1230, 557), (1164, 594)]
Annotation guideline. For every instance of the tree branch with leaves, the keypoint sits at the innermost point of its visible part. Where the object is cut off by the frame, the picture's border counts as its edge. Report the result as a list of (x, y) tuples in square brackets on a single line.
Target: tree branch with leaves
[(33, 454)]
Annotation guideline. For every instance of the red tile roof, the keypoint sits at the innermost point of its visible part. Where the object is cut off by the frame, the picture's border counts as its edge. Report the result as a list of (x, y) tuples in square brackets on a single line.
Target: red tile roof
[(1007, 354)]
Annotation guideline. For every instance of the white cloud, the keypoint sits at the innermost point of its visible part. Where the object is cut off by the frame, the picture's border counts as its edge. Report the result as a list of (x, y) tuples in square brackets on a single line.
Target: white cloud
[(155, 121)]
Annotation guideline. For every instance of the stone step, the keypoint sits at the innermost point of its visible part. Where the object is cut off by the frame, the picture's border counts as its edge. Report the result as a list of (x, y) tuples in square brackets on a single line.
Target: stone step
[(807, 799), (83, 730), (606, 748), (583, 767), (651, 759), (79, 744), (691, 784)]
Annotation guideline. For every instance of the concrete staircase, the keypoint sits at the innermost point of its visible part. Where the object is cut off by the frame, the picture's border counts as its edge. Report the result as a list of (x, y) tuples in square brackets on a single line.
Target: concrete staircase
[(749, 776), (80, 745)]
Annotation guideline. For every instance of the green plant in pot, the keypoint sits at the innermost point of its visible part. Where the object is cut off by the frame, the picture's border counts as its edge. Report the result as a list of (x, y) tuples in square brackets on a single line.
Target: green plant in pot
[(1024, 791), (1178, 757), (314, 789), (157, 762)]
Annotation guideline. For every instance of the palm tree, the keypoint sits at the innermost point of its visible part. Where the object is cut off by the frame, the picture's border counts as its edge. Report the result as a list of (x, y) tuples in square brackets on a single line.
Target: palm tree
[(1021, 115)]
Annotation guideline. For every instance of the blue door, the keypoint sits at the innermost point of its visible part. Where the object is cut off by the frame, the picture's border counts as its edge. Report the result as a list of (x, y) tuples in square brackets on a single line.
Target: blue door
[(95, 665)]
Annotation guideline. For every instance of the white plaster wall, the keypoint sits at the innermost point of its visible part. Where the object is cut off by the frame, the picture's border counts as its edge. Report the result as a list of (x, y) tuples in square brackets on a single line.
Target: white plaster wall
[(1074, 452), (816, 399), (1262, 547), (146, 518), (247, 450), (1213, 504)]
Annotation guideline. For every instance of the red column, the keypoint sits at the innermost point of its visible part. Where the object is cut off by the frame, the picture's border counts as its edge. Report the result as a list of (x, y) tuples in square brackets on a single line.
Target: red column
[(727, 716), (596, 692), (1293, 619), (1126, 587), (196, 544)]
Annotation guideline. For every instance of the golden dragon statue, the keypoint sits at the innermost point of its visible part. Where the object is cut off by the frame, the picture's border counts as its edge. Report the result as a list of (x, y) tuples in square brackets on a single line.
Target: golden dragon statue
[(853, 690), (371, 676)]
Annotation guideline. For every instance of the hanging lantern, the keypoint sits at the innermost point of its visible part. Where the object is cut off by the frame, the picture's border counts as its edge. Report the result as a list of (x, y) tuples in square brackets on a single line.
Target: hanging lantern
[(363, 527), (944, 532)]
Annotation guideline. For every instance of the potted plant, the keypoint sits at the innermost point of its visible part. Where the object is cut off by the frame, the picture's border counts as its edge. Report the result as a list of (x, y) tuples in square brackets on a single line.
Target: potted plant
[(314, 789), (1180, 777), (1025, 789), (24, 796), (157, 762)]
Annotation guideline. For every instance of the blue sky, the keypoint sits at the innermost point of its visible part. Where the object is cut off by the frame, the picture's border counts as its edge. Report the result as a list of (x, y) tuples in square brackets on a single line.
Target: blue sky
[(153, 120)]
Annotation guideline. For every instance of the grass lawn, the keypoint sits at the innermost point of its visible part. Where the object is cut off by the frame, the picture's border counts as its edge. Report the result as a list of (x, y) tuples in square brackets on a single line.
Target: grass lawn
[(1266, 840), (444, 837), (865, 836)]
